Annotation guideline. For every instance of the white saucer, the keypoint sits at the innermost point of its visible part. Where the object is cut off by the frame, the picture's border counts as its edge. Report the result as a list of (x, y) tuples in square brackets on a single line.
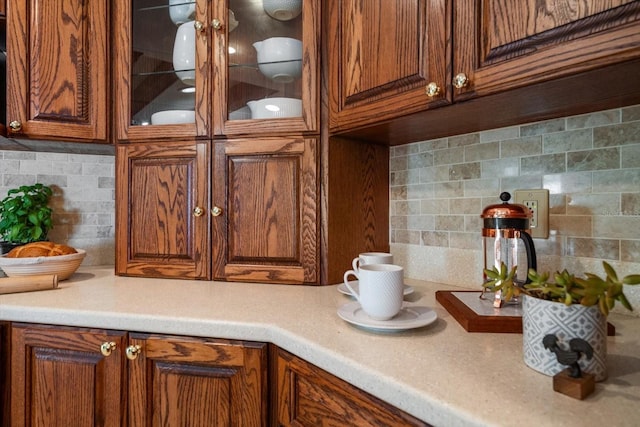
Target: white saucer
[(411, 316), (342, 288)]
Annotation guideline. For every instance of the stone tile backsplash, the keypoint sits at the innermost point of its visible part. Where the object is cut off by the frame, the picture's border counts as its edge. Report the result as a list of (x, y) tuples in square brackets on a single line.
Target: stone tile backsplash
[(84, 196), (589, 163)]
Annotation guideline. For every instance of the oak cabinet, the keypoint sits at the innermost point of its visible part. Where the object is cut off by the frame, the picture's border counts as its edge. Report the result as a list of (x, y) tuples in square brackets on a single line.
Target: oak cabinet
[(179, 381), (306, 395), (205, 61), (386, 59), (162, 210), (501, 45), (265, 210), (58, 69), (83, 377), (59, 376), (402, 59)]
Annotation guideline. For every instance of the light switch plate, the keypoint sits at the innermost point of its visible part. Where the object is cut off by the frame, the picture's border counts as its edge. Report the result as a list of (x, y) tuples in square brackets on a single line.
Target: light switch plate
[(537, 200)]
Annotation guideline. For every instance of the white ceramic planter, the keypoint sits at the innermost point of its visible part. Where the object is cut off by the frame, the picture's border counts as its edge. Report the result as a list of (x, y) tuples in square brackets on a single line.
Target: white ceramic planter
[(540, 318)]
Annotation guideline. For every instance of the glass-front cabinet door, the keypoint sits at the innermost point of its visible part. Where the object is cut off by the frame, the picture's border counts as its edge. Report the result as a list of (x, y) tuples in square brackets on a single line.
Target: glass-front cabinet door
[(199, 68), (267, 66), (162, 69)]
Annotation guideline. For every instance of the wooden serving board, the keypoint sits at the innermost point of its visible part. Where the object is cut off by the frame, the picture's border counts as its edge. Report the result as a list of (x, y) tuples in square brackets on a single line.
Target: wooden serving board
[(9, 285)]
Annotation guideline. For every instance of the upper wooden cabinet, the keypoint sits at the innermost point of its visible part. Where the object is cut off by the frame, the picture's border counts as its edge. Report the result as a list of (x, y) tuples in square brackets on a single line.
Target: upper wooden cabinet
[(265, 208), (385, 55), (386, 58), (213, 60), (501, 45), (58, 70)]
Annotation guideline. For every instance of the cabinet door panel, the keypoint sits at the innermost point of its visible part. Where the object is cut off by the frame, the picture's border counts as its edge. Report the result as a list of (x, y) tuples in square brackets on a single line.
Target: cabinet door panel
[(383, 57), (267, 190), (197, 382), (309, 396), (159, 231), (57, 69), (59, 377), (502, 45)]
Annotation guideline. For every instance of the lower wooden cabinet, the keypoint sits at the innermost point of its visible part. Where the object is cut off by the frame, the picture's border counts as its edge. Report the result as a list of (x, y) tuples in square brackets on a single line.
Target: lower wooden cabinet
[(306, 395), (82, 377), (69, 376)]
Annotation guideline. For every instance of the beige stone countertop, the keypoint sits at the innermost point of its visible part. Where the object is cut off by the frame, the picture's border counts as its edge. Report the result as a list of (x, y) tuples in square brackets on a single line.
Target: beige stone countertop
[(439, 373)]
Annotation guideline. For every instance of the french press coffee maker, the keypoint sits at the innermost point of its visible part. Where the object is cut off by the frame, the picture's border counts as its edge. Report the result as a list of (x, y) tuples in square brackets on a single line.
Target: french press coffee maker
[(506, 239)]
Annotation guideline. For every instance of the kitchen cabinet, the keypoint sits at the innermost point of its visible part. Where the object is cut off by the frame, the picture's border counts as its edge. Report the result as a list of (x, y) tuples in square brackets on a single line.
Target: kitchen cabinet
[(162, 210), (84, 377), (58, 70), (516, 61), (265, 210), (307, 395), (388, 59), (205, 61), (60, 376)]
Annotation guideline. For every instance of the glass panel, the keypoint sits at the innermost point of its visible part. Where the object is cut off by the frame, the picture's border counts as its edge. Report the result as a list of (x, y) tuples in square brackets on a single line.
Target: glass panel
[(265, 59), (163, 39)]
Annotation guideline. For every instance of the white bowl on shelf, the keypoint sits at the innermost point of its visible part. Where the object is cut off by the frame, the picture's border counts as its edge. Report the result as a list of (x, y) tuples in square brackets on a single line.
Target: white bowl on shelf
[(275, 108), (173, 117), (243, 113), (282, 10), (280, 58), (62, 265), (184, 53), (181, 11)]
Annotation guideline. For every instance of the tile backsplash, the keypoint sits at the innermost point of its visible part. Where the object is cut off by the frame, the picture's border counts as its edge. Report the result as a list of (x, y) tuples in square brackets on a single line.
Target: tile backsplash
[(84, 196), (589, 163)]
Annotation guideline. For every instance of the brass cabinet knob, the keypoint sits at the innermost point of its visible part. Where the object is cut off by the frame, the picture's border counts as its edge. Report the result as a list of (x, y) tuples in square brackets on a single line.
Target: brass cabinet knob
[(460, 80), (216, 211), (198, 211), (15, 126), (107, 347), (133, 351), (432, 89), (216, 24), (199, 26)]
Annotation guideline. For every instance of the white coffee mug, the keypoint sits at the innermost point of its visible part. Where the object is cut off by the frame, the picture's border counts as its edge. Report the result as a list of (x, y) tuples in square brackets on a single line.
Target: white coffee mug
[(184, 53), (372, 258), (381, 289)]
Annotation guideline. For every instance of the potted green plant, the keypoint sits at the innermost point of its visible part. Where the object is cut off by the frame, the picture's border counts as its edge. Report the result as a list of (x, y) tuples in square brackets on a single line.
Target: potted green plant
[(25, 215), (567, 307)]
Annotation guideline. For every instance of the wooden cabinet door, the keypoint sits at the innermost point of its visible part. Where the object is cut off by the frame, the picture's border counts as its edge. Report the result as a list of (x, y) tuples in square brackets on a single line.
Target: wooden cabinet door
[(306, 395), (265, 207), (502, 45), (382, 57), (57, 69), (194, 382), (60, 377), (162, 215)]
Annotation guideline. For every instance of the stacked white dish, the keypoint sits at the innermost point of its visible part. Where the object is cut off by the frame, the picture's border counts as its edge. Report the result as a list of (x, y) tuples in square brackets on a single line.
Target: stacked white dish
[(274, 108), (173, 117)]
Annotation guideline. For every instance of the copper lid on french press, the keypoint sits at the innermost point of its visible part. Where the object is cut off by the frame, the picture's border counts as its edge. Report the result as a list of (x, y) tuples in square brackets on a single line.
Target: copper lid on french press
[(505, 216)]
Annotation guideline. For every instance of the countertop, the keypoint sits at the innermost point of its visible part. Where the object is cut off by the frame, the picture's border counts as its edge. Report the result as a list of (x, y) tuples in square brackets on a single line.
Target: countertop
[(439, 373)]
